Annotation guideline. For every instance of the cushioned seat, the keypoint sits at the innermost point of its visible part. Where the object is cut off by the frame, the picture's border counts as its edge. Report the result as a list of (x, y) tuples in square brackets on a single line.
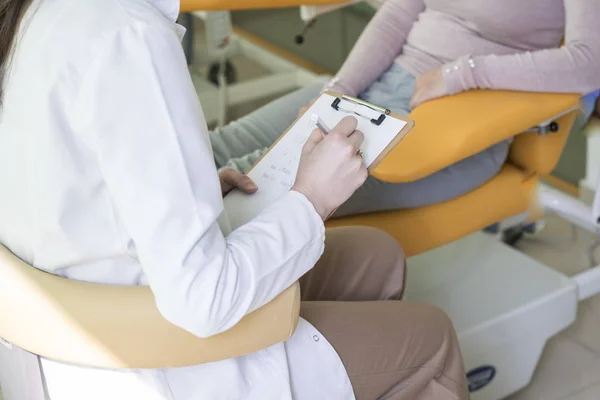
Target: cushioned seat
[(110, 326), (450, 129), (421, 229)]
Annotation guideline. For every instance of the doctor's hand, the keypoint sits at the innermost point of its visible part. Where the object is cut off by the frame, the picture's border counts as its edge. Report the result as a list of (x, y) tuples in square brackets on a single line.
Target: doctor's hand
[(231, 179), (430, 85), (331, 168)]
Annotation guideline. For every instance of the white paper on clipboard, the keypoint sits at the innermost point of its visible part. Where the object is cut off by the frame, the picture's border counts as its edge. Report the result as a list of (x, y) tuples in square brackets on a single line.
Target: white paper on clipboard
[(276, 172)]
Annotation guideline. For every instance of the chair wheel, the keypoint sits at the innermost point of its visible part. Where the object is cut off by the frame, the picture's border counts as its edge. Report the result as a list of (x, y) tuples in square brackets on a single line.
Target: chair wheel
[(512, 236), (492, 229), (230, 73)]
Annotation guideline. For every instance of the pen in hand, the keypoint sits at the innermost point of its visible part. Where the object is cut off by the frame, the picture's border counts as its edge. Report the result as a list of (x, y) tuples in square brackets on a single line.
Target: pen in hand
[(316, 120)]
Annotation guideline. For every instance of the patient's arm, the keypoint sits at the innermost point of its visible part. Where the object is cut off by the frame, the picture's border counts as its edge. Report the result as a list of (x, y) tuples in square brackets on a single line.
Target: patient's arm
[(573, 68), (378, 46)]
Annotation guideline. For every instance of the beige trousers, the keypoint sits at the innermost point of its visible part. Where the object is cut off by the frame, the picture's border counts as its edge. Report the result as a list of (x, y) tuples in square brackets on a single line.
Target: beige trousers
[(392, 349)]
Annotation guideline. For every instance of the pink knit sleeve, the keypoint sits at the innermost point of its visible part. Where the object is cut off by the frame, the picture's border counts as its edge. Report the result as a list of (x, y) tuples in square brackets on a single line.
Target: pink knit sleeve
[(573, 68), (378, 46)]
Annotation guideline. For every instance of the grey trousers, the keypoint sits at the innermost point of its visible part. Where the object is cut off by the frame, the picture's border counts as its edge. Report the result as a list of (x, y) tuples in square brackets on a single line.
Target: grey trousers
[(239, 144)]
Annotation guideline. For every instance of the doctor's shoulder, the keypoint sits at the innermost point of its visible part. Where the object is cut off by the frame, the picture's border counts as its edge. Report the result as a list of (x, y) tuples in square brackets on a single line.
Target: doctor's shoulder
[(72, 37), (83, 24)]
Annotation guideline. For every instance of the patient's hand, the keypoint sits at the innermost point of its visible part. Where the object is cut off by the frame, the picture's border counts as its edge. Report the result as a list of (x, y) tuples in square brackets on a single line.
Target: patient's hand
[(429, 86), (232, 179)]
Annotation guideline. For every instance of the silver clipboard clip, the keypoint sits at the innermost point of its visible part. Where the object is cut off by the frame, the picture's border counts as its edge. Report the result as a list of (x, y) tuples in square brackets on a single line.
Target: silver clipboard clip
[(384, 111)]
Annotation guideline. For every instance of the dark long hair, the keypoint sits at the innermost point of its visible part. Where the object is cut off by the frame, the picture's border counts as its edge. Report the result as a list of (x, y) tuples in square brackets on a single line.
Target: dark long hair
[(11, 12)]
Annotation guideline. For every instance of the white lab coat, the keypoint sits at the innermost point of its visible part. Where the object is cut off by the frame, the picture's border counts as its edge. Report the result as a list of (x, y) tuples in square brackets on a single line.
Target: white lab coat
[(107, 176)]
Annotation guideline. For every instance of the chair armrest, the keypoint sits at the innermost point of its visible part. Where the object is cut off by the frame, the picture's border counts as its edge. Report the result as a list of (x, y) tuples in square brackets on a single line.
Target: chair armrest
[(217, 5), (120, 326), (453, 128)]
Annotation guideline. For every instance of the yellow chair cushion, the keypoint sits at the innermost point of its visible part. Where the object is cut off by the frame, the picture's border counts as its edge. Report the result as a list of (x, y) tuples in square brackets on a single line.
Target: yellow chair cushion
[(450, 129), (421, 229), (453, 128), (540, 154), (120, 326)]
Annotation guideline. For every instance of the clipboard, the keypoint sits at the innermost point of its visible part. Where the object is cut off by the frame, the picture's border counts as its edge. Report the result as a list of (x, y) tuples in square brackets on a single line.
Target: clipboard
[(362, 109), (275, 172)]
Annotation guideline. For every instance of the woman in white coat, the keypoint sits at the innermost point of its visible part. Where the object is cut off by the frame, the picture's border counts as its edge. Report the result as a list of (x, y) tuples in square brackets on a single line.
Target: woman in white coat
[(109, 178)]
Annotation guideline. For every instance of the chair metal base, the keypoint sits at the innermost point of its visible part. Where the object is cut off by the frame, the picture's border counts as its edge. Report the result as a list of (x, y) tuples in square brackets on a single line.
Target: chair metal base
[(284, 76)]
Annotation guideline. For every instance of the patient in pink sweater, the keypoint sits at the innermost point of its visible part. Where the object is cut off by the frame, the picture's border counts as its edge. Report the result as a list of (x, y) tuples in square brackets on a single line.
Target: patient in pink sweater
[(452, 46), (416, 50)]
